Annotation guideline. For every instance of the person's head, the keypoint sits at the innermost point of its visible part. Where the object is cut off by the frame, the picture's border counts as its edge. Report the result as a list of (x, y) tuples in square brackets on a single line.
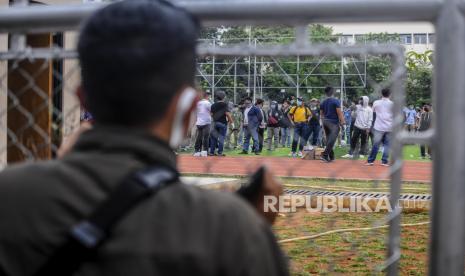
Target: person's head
[(274, 105), (386, 93), (259, 103), (286, 103), (206, 95), (410, 106), (137, 63), (248, 102), (329, 91), (235, 107), (313, 102), (220, 96), (300, 101), (426, 107)]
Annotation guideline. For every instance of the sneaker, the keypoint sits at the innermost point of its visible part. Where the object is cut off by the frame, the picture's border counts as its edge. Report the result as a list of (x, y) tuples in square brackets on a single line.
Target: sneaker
[(325, 159), (197, 154), (293, 154), (348, 156), (369, 164), (300, 154), (204, 153), (385, 164), (211, 154)]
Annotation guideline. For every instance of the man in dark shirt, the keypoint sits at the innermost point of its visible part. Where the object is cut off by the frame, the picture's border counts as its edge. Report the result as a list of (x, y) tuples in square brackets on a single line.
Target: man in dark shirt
[(221, 117), (314, 123), (137, 62), (331, 115)]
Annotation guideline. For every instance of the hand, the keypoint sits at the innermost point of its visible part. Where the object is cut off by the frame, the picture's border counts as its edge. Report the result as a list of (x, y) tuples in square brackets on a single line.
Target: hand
[(233, 126)]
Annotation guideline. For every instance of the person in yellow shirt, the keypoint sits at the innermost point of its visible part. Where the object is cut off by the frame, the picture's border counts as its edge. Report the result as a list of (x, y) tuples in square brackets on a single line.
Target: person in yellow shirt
[(299, 115)]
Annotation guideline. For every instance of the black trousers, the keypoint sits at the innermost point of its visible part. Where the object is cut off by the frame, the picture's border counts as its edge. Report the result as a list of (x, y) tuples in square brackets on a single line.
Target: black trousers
[(203, 135), (363, 136), (331, 131), (261, 135)]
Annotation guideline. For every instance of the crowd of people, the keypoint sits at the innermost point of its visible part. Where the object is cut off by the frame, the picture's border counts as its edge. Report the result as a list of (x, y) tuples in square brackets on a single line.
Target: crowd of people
[(364, 127)]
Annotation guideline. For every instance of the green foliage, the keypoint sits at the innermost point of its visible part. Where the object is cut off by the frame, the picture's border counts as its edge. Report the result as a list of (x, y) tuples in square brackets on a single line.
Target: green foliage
[(419, 77)]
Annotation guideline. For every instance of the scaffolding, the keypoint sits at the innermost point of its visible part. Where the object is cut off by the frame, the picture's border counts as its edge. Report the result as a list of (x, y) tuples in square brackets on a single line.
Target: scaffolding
[(268, 77)]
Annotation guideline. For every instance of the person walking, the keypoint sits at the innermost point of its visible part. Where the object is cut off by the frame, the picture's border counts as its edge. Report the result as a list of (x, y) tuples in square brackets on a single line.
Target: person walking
[(286, 124), (203, 123), (299, 115), (361, 129), (252, 119), (221, 117), (382, 128), (332, 117), (275, 116)]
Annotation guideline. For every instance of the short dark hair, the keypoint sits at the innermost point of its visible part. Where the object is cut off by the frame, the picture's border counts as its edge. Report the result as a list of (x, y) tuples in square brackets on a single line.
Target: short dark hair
[(329, 91), (134, 56), (220, 95), (258, 101), (248, 99), (287, 101), (386, 92)]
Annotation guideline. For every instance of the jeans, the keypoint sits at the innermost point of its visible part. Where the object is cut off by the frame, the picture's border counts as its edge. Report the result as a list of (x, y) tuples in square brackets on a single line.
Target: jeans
[(201, 141), (286, 136), (359, 134), (347, 134), (251, 132), (273, 132), (217, 137), (314, 132), (300, 135), (378, 138), (332, 132), (261, 136)]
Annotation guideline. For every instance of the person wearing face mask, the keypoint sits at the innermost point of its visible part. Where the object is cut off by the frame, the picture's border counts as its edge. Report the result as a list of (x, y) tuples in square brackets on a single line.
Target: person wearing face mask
[(275, 116), (142, 109), (410, 117), (252, 120), (262, 124), (299, 116), (285, 124), (362, 126)]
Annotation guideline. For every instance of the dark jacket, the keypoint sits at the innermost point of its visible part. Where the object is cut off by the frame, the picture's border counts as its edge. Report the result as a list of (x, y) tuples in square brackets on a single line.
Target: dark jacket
[(426, 118), (254, 117), (285, 122), (277, 115), (183, 230)]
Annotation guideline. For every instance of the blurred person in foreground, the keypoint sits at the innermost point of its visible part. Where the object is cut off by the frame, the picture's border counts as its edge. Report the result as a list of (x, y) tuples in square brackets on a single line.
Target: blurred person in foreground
[(137, 64)]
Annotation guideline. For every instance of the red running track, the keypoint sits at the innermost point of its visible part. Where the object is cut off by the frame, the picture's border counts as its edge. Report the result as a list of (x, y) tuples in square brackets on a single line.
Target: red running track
[(413, 171)]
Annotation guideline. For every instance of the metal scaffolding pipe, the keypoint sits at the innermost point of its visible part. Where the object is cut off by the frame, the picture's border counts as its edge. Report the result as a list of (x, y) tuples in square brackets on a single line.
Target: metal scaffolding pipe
[(67, 17)]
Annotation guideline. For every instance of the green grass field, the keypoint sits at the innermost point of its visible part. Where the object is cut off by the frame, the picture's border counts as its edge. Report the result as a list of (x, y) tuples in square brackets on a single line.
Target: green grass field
[(411, 152)]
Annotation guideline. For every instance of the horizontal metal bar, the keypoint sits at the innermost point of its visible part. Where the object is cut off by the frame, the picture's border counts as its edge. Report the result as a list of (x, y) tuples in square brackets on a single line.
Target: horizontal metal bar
[(236, 51), (43, 18), (425, 137)]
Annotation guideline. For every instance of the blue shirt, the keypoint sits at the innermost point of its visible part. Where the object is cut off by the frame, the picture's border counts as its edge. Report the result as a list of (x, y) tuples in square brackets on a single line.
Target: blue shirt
[(328, 109), (410, 114)]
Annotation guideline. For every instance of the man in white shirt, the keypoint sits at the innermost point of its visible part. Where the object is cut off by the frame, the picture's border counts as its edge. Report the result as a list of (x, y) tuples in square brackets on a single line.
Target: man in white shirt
[(203, 123), (382, 128)]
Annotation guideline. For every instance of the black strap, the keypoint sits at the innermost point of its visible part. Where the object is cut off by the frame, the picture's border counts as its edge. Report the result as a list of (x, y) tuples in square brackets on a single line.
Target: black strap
[(88, 235)]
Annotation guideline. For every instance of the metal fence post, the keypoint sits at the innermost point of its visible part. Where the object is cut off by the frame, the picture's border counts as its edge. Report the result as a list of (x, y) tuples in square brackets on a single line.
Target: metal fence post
[(447, 251)]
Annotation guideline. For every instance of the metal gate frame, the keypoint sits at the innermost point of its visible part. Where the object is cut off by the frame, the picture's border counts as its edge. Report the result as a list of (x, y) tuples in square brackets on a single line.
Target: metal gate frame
[(447, 248)]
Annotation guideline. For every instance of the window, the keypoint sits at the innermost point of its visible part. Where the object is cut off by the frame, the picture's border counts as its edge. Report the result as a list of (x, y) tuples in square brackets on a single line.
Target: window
[(431, 38), (420, 38), (406, 39)]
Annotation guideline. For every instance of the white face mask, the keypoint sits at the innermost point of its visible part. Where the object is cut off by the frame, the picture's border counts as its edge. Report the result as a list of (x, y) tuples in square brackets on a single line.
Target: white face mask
[(185, 101)]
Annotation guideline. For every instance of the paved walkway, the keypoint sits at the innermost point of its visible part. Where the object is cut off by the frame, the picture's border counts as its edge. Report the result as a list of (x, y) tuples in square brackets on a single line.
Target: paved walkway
[(413, 171)]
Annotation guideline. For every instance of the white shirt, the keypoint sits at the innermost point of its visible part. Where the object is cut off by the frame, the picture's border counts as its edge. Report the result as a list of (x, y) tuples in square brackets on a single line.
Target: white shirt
[(203, 113), (384, 117), (246, 118)]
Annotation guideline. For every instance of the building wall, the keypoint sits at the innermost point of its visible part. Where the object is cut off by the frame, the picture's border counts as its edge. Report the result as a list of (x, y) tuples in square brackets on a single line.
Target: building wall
[(417, 37)]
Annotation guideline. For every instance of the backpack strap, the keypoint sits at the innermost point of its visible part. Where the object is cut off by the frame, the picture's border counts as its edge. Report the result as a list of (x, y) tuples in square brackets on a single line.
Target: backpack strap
[(87, 236)]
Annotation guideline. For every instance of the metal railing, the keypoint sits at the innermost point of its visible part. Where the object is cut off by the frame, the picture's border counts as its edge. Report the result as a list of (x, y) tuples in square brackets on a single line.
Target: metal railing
[(447, 249)]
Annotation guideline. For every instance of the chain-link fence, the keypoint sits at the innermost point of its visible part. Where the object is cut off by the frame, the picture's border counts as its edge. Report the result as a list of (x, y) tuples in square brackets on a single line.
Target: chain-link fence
[(39, 110)]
